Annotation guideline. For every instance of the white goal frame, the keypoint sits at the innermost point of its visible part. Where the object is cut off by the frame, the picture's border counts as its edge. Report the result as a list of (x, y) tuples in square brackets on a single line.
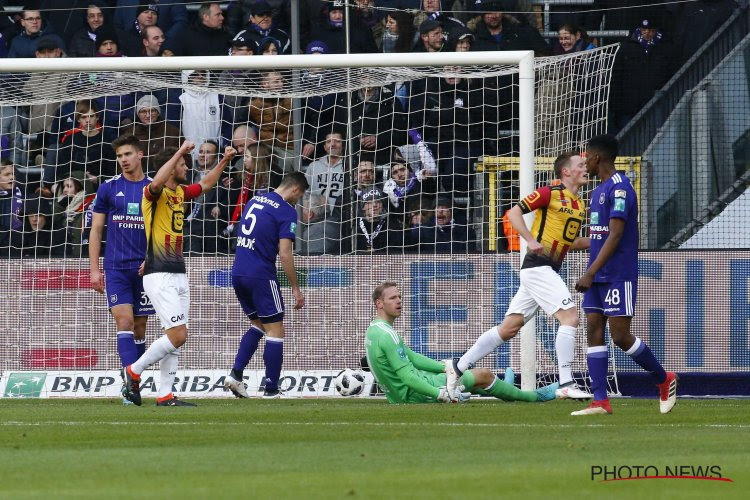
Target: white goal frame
[(524, 60)]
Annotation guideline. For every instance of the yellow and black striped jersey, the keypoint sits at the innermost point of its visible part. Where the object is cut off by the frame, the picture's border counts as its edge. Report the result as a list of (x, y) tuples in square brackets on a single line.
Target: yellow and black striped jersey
[(559, 217)]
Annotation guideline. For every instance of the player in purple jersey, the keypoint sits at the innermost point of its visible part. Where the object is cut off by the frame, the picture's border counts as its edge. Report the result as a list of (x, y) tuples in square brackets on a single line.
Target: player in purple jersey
[(268, 225), (610, 282), (118, 206)]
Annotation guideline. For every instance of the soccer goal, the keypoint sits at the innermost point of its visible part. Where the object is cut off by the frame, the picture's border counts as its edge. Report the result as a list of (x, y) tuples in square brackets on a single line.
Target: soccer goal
[(413, 160)]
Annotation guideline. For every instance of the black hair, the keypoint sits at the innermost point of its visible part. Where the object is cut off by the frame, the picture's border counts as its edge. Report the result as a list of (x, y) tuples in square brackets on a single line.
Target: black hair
[(605, 145), (295, 179), (127, 140)]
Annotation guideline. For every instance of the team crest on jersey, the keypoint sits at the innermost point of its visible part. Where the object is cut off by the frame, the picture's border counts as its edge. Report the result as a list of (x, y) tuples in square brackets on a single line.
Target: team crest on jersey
[(133, 208), (601, 199), (594, 217), (113, 298), (212, 110)]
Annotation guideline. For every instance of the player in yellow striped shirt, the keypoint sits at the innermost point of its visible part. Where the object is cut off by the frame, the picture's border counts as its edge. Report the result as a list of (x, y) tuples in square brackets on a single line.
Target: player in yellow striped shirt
[(165, 279), (560, 213)]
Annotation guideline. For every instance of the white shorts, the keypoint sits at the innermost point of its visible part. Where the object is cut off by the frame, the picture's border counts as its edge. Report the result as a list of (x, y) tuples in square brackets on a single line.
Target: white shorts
[(170, 295), (540, 287)]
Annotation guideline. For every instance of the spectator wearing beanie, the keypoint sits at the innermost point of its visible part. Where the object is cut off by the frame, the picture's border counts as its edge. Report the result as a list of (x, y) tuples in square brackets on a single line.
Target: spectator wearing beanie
[(155, 133), (107, 43)]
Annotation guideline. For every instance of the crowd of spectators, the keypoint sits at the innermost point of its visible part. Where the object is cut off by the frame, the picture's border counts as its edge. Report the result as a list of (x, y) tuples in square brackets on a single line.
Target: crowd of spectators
[(399, 183)]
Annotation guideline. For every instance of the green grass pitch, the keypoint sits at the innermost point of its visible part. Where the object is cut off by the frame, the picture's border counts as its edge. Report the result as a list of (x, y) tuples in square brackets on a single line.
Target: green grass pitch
[(360, 448)]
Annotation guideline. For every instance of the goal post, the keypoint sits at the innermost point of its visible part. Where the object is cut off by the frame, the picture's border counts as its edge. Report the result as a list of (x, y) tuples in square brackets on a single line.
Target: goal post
[(510, 104)]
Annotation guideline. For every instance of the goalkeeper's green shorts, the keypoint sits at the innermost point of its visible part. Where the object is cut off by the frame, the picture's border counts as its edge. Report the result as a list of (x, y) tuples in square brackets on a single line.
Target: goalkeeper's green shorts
[(436, 380)]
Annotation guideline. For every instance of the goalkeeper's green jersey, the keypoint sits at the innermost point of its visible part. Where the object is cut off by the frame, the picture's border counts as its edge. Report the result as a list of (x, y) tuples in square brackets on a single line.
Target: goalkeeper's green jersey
[(406, 377)]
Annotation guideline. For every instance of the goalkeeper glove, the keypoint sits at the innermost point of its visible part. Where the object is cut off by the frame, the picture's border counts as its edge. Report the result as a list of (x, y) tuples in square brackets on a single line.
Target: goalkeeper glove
[(444, 397)]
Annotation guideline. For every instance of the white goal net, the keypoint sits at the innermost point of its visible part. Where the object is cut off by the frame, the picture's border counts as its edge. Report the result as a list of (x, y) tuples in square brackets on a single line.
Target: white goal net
[(411, 170)]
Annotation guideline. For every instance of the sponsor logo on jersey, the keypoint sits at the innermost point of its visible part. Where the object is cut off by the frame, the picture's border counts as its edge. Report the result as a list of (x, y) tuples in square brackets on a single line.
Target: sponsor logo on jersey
[(620, 193), (133, 208), (293, 227), (401, 353), (120, 194), (619, 204), (594, 217)]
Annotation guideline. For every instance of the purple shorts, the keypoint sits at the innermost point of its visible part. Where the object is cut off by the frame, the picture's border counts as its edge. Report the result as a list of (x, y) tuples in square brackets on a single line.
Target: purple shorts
[(611, 299), (124, 286), (260, 298)]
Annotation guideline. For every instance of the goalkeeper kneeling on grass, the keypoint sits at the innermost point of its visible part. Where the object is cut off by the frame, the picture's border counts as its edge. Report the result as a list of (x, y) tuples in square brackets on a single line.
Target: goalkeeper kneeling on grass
[(408, 377)]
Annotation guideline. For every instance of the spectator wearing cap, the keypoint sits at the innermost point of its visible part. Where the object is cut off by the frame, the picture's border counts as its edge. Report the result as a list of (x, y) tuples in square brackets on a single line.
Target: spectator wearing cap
[(234, 108), (242, 45), (261, 29), (399, 34), (155, 133), (239, 12), (331, 32), (499, 31), (132, 38), (464, 40), (642, 66), (431, 37), (433, 9), (443, 234), (571, 38), (375, 231), (173, 15), (205, 37), (39, 238), (35, 28), (319, 109), (82, 42)]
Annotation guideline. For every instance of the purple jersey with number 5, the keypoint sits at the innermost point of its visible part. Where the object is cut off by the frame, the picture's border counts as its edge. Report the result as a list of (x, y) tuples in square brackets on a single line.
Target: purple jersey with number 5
[(615, 199), (265, 221)]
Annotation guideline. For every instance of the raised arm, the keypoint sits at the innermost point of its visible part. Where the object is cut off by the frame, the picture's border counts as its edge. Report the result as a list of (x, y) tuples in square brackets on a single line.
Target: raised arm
[(287, 263), (162, 175), (212, 177)]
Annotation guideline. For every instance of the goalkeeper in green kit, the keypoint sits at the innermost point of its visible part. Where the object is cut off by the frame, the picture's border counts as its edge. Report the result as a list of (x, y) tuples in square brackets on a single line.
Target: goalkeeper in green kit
[(408, 377)]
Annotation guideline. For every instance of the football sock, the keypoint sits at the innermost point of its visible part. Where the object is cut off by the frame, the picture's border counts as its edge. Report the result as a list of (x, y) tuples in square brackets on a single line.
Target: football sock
[(168, 371), (642, 355), (248, 346), (140, 346), (484, 345), (273, 355), (126, 348), (156, 351), (596, 358), (564, 347), (499, 389)]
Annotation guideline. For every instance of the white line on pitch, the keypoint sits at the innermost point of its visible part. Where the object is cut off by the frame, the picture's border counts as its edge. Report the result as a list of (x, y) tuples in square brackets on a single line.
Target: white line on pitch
[(367, 424)]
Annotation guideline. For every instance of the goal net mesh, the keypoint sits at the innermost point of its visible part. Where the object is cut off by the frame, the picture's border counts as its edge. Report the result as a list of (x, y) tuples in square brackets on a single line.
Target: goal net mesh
[(411, 172)]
